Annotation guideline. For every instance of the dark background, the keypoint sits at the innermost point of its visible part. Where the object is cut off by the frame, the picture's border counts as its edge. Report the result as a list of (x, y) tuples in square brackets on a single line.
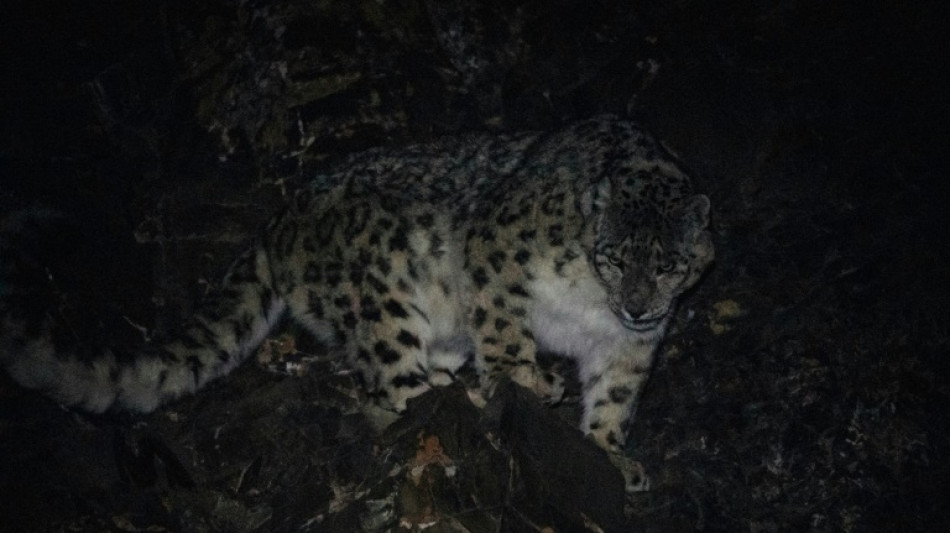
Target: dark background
[(802, 389)]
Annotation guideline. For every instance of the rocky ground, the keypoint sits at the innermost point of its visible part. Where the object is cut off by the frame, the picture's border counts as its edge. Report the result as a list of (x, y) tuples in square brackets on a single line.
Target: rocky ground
[(803, 387)]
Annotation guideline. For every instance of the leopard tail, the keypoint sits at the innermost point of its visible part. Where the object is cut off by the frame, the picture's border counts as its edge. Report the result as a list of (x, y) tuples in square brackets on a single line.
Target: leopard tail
[(229, 325)]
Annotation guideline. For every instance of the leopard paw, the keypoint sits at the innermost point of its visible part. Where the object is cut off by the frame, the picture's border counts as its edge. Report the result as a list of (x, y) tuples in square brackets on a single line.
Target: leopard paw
[(634, 475), (547, 385)]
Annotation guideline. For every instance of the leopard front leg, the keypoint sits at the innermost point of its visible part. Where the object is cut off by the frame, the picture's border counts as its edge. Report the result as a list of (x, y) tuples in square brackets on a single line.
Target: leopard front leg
[(505, 344), (612, 386), (388, 351)]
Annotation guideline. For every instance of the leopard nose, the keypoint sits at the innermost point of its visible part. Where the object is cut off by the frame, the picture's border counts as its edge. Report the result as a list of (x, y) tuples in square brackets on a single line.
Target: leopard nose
[(633, 312)]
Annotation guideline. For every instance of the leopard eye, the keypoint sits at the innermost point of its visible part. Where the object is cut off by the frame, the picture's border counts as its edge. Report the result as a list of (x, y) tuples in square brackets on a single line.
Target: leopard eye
[(666, 266), (614, 261)]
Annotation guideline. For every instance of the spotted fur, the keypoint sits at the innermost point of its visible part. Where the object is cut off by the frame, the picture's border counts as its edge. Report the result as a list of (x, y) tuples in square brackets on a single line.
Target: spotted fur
[(477, 250)]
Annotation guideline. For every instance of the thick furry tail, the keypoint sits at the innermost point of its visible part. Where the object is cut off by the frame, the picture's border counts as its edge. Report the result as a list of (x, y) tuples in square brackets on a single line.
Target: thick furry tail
[(230, 324)]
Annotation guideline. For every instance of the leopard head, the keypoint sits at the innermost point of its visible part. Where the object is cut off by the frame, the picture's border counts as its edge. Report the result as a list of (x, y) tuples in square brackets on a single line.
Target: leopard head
[(651, 245)]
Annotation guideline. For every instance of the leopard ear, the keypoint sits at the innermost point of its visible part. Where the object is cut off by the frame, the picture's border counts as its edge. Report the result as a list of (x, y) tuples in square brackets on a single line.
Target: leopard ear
[(595, 198), (696, 211)]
